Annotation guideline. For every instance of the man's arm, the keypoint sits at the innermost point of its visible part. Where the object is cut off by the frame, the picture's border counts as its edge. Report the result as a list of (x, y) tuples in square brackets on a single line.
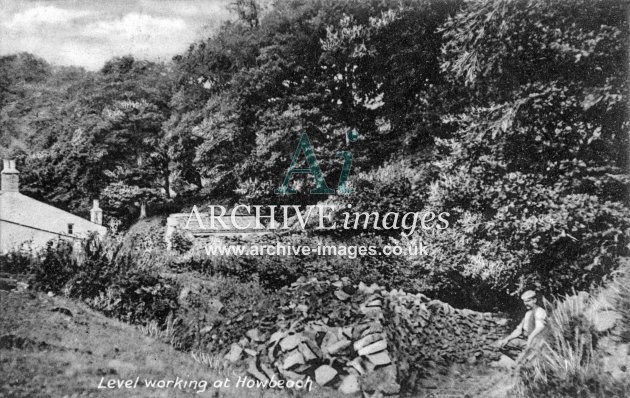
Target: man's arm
[(515, 333), (540, 321)]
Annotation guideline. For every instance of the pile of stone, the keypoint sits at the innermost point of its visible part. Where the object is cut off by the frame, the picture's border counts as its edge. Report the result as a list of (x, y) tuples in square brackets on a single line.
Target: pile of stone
[(360, 338), (426, 334), (441, 333)]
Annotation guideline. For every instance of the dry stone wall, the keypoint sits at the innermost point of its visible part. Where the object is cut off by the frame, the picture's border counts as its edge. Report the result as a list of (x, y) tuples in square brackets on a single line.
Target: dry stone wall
[(363, 338)]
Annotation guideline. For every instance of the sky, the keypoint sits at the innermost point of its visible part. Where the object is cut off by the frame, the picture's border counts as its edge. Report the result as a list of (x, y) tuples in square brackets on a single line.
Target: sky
[(88, 33)]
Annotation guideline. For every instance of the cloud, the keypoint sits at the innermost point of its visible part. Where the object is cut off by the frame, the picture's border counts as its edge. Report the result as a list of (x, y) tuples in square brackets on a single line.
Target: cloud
[(43, 15), (189, 9), (133, 26), (141, 35), (87, 34)]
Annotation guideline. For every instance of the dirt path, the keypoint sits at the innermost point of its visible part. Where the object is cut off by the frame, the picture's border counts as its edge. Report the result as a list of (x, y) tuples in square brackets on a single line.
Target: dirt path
[(466, 381)]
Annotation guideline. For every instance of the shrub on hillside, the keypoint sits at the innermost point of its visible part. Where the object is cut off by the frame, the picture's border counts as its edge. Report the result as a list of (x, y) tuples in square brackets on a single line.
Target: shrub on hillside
[(113, 280), (16, 262), (181, 242), (104, 274), (102, 262), (274, 272), (53, 267), (137, 297), (271, 271), (147, 234)]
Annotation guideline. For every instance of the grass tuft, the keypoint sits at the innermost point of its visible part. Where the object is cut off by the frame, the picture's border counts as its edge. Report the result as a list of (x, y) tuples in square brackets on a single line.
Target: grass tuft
[(167, 334), (568, 362)]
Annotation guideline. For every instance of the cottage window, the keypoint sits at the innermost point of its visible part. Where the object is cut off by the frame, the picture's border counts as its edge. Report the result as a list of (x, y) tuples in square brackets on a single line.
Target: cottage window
[(70, 229)]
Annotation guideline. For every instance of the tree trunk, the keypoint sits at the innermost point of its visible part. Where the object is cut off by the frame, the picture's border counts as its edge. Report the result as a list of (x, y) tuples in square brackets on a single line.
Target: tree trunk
[(167, 185), (166, 175)]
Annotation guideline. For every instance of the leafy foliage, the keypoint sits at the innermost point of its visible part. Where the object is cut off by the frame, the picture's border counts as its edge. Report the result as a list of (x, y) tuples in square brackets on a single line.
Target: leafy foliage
[(89, 130), (104, 274), (56, 266), (180, 242), (509, 115), (15, 262), (534, 171)]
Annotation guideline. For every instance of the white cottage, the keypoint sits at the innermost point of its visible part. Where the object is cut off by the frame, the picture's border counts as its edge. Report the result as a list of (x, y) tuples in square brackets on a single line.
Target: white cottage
[(24, 220)]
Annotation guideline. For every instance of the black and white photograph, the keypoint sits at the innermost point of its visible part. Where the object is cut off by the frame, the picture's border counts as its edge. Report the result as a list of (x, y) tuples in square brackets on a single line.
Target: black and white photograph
[(315, 198)]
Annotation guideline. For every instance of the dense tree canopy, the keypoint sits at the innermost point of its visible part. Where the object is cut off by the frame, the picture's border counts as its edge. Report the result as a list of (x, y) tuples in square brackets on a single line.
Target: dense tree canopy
[(85, 131), (510, 115)]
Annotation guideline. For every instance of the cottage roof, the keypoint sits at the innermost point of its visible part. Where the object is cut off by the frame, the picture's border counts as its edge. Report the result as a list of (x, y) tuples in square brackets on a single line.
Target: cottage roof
[(23, 210)]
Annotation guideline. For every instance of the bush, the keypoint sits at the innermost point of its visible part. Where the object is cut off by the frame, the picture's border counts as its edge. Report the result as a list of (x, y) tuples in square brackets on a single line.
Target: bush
[(181, 242), (102, 263), (112, 280), (147, 234), (271, 272), (16, 262), (103, 274), (274, 272), (53, 267), (137, 297)]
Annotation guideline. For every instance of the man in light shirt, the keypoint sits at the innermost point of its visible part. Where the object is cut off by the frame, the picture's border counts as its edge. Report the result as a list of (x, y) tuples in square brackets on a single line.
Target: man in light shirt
[(532, 325)]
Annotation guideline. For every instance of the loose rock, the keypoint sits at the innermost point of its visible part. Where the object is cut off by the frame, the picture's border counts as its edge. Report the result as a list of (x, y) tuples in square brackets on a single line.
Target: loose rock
[(324, 374)]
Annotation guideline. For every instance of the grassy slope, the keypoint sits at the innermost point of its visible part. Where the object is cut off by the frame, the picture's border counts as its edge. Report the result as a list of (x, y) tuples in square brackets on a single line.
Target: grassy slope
[(68, 355)]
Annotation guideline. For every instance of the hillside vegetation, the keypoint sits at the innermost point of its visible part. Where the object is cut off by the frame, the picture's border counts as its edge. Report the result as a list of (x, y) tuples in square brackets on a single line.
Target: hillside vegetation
[(510, 116)]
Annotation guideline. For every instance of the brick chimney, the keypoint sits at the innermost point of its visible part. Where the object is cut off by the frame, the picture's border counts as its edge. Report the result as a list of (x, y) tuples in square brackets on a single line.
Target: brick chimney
[(10, 177), (96, 214)]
